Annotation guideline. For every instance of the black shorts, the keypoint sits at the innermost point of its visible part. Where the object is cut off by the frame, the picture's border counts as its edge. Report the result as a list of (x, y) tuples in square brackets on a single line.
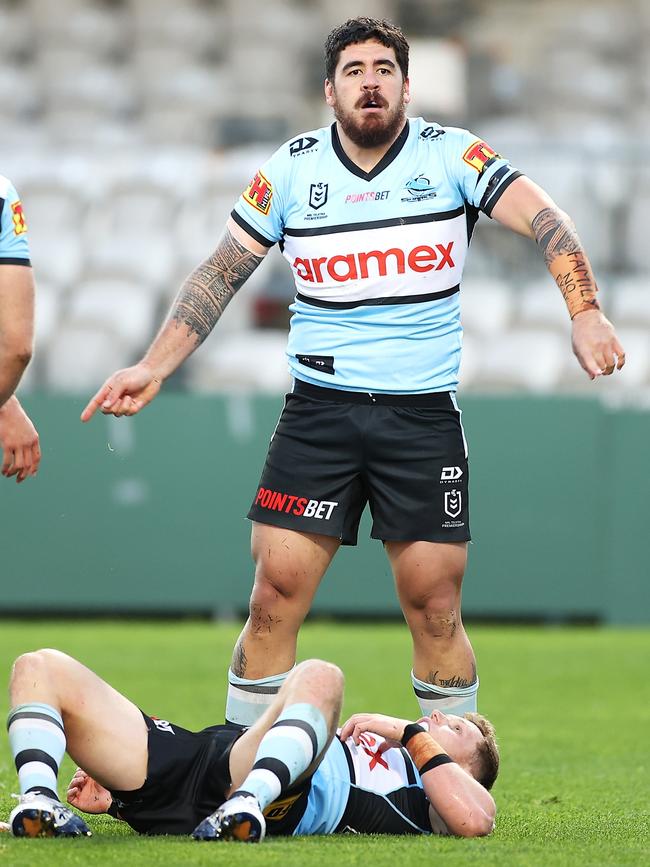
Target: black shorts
[(333, 451), (188, 775)]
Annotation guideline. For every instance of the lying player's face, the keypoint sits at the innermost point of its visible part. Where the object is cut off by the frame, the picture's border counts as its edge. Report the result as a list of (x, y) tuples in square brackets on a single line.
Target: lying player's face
[(368, 94), (458, 737)]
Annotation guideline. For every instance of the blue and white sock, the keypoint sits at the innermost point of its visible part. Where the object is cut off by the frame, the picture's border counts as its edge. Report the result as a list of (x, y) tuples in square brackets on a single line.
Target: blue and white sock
[(248, 699), (448, 699), (287, 749), (37, 741)]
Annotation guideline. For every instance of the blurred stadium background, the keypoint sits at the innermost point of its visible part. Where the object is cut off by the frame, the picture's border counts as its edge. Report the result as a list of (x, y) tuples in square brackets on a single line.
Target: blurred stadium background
[(131, 126)]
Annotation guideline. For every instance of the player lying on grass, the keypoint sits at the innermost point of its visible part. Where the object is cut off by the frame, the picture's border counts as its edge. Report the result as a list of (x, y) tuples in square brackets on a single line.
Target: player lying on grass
[(287, 774)]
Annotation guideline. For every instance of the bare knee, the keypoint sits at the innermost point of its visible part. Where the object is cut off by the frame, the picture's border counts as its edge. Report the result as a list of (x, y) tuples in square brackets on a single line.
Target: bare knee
[(34, 672), (329, 676), (319, 683)]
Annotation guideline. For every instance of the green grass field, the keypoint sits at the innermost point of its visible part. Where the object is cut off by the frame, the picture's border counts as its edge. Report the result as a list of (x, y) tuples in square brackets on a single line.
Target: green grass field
[(571, 706)]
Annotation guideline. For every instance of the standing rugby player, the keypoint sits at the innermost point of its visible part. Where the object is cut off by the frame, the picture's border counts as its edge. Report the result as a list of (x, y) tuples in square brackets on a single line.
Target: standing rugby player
[(374, 215), (21, 452)]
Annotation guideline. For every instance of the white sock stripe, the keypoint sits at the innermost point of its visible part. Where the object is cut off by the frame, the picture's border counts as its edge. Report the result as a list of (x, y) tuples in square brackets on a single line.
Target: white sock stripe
[(274, 680), (263, 698), (267, 779), (294, 737), (38, 769), (22, 725)]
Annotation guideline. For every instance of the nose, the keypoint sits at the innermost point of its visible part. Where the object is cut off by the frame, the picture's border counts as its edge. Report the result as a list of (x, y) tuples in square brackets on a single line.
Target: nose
[(370, 81), (438, 717)]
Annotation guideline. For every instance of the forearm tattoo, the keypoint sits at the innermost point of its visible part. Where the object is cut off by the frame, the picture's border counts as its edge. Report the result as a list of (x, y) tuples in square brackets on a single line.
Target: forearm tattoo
[(554, 235), (209, 288), (566, 260)]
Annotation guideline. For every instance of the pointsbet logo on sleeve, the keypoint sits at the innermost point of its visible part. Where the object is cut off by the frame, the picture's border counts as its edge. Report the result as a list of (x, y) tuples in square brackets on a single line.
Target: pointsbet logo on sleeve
[(276, 501), (259, 193)]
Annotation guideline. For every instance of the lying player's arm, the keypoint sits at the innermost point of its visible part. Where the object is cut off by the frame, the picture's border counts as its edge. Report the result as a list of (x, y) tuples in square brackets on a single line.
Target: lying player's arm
[(16, 325), (195, 311), (527, 209), (465, 806)]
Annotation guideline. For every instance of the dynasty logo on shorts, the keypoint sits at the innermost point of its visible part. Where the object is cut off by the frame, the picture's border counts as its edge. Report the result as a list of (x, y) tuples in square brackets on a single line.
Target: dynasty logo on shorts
[(450, 474), (163, 725), (295, 505)]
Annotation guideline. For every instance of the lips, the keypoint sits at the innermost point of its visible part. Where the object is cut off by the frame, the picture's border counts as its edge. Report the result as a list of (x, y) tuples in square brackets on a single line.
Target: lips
[(372, 102)]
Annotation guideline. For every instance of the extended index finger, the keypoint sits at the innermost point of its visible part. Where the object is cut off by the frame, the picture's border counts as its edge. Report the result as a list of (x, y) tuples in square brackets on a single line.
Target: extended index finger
[(95, 402)]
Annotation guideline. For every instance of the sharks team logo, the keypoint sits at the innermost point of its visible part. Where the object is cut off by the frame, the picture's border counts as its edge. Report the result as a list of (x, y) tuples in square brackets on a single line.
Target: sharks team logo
[(418, 189)]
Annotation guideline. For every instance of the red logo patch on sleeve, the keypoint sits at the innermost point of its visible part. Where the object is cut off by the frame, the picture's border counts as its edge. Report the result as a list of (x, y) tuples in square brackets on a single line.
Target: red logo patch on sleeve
[(259, 193), (20, 226), (478, 155)]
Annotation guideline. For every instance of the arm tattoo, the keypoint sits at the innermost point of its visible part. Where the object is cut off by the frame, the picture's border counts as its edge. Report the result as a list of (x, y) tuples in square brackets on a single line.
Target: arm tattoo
[(206, 292), (554, 234), (566, 260)]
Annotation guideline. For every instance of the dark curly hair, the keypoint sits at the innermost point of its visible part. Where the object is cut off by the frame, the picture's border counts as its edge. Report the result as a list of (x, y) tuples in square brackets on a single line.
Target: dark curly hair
[(362, 29)]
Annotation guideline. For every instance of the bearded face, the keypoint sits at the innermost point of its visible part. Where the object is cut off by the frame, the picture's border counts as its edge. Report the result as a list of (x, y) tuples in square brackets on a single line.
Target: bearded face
[(368, 94), (372, 122)]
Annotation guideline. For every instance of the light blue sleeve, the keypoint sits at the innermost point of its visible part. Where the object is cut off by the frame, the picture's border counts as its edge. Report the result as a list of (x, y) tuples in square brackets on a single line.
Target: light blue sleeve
[(481, 173), (260, 208), (13, 228)]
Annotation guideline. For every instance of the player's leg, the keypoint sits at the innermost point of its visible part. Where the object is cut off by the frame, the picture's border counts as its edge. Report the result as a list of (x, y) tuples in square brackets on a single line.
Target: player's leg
[(308, 502), (428, 576), (288, 568), (418, 478), (283, 747), (57, 704)]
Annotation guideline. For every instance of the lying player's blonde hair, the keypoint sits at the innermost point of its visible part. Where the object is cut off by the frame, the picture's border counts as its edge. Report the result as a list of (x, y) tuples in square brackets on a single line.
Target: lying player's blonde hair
[(488, 751)]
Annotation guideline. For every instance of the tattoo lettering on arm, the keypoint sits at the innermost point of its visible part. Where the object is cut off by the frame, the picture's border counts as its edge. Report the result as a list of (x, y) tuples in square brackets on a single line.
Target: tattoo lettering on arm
[(564, 257), (554, 234), (207, 291)]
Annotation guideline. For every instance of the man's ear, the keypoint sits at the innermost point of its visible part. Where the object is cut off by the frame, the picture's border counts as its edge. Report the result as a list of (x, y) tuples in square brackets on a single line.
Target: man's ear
[(407, 91), (330, 99)]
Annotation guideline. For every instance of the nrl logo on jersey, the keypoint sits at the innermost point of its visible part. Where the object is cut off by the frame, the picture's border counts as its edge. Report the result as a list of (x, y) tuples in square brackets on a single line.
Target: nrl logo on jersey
[(303, 145), (317, 198), (419, 189)]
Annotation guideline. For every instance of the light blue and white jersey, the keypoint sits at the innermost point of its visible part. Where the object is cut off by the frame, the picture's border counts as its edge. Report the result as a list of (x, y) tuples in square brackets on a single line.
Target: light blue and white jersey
[(14, 249), (377, 256), (358, 788)]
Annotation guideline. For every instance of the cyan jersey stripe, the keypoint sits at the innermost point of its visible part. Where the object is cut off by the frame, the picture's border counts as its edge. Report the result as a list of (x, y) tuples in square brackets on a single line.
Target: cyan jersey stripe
[(328, 795), (398, 348)]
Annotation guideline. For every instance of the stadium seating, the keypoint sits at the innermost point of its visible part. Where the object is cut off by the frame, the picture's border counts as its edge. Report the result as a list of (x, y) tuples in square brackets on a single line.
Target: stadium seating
[(131, 127)]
